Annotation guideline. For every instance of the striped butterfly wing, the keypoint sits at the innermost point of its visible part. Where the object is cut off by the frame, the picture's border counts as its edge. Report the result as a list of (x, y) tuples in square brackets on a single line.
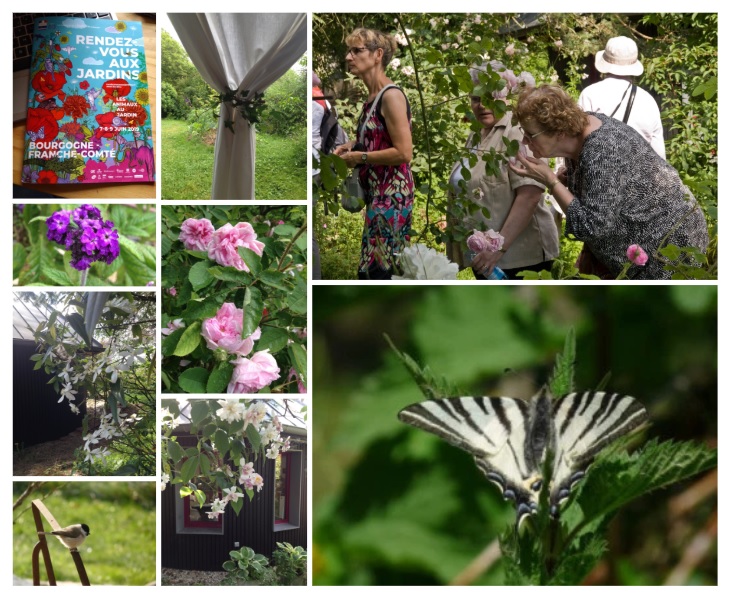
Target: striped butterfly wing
[(493, 430), (584, 424)]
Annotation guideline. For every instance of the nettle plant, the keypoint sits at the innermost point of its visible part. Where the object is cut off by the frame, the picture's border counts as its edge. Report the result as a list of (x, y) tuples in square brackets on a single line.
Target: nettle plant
[(557, 542), (103, 345), (229, 437), (77, 245), (234, 299)]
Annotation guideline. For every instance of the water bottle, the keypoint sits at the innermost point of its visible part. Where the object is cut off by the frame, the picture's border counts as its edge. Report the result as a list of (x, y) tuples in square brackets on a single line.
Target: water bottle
[(496, 274)]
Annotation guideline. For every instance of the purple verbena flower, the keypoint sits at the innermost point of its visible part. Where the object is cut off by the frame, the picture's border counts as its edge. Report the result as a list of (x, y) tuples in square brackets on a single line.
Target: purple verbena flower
[(58, 226), (88, 237)]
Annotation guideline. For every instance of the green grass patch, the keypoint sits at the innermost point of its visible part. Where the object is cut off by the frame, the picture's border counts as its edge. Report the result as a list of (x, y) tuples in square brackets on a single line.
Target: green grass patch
[(187, 165), (120, 549)]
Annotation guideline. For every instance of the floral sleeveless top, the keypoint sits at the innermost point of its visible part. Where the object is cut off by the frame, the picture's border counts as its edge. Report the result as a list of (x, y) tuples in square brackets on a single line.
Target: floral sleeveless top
[(389, 198)]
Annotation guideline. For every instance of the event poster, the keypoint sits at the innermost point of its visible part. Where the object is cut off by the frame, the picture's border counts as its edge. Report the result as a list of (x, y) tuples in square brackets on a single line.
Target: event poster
[(88, 104)]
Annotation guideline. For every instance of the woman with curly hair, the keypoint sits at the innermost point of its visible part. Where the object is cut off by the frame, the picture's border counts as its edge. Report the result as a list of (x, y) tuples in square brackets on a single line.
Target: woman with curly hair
[(383, 156), (617, 193)]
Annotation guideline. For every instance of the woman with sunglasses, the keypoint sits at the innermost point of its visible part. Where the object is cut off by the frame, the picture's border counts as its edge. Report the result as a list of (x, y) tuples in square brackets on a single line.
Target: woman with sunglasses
[(617, 193), (505, 202), (384, 156)]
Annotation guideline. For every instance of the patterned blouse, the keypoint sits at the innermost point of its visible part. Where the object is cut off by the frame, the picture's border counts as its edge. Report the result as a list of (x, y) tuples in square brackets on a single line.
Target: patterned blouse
[(389, 197), (625, 194)]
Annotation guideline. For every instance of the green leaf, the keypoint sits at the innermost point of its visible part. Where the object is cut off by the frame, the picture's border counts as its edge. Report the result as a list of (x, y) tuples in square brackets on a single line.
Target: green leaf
[(175, 451), (274, 279), (189, 340), (229, 274), (251, 259), (617, 477), (189, 468), (297, 300), (562, 381), (77, 323), (253, 436), (431, 385), (253, 307), (138, 261), (194, 380), (171, 342), (220, 377), (200, 496), (199, 410), (221, 441), (199, 310), (19, 256), (199, 276), (299, 356), (236, 505), (273, 339), (56, 276)]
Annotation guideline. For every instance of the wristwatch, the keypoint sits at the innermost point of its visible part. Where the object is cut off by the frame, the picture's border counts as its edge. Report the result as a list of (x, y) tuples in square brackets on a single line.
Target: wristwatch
[(363, 158)]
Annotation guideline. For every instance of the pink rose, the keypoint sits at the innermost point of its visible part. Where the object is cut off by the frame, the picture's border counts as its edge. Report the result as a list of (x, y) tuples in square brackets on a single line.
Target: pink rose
[(480, 241), (477, 242), (637, 255), (226, 240), (224, 330), (253, 374), (196, 234), (510, 50), (495, 240)]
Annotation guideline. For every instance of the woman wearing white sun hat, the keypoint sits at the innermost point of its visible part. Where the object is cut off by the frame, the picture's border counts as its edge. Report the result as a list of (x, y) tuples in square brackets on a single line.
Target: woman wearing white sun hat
[(619, 62)]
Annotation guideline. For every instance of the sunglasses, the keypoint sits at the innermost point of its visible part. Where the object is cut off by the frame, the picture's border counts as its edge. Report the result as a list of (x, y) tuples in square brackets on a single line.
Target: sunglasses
[(356, 50)]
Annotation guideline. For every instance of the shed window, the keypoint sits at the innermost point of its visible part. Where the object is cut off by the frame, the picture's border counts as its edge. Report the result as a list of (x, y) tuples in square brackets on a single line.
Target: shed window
[(192, 518), (288, 490)]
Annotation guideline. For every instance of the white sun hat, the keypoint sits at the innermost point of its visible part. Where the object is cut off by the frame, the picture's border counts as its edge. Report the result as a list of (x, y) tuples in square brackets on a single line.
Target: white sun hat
[(620, 57)]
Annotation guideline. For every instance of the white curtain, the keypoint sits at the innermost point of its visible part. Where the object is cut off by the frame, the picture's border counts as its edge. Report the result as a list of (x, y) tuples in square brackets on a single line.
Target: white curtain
[(240, 51)]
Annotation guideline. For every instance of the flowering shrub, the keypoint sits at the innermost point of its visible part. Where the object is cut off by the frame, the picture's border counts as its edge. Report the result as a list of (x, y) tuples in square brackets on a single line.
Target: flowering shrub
[(230, 435), (70, 245), (236, 320), (103, 344)]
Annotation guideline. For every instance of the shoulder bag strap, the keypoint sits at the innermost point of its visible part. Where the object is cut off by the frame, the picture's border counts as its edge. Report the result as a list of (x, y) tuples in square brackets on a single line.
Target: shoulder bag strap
[(630, 103), (621, 100), (361, 132)]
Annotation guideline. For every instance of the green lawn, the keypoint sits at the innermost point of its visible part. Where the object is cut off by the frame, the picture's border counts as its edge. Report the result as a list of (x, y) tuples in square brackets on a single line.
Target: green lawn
[(187, 166), (120, 549)]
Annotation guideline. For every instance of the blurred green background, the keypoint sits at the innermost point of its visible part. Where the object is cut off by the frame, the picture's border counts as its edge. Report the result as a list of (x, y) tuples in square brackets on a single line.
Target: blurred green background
[(120, 549), (394, 505)]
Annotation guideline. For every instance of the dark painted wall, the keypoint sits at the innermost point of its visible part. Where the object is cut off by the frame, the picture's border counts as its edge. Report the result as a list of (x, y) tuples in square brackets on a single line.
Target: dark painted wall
[(37, 415)]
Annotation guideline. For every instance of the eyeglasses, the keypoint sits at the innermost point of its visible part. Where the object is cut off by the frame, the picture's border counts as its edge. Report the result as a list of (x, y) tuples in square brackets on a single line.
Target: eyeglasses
[(530, 136), (356, 50)]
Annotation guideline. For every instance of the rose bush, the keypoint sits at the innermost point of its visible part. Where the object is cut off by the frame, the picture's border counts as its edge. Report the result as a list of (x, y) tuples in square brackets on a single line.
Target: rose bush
[(234, 321)]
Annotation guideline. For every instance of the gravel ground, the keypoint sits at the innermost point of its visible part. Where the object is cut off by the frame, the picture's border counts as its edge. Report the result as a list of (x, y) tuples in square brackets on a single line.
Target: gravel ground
[(177, 577)]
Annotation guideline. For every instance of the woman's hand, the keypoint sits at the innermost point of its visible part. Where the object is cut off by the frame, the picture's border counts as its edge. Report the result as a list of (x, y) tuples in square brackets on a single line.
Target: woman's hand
[(342, 149), (352, 159), (529, 167), (484, 262)]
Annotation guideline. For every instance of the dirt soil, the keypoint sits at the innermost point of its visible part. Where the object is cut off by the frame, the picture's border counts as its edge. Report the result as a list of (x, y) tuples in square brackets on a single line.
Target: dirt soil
[(52, 458)]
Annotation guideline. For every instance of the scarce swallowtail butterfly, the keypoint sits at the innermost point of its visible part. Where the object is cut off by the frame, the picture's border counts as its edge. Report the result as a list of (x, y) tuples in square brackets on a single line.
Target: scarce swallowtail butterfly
[(510, 438)]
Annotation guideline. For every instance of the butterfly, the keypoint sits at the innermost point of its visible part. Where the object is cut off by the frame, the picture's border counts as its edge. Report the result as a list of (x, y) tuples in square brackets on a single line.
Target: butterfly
[(39, 135), (510, 438)]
